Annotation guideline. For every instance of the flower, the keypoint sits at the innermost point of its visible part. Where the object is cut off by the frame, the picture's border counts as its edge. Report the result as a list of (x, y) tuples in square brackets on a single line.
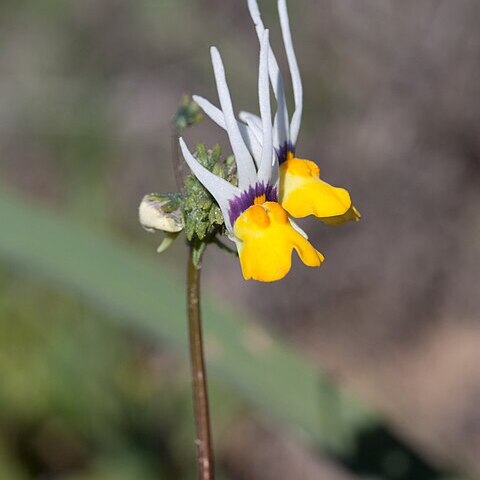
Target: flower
[(302, 192), (264, 234)]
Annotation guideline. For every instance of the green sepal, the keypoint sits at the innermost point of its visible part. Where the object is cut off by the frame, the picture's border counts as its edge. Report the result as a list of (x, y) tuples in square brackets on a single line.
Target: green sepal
[(167, 242), (203, 217), (198, 251)]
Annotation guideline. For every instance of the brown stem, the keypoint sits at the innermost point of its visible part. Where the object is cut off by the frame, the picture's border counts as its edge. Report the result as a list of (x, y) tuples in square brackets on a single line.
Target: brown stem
[(206, 466)]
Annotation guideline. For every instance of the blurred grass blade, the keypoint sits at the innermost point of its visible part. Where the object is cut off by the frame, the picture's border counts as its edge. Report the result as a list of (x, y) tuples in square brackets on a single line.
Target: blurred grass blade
[(142, 293)]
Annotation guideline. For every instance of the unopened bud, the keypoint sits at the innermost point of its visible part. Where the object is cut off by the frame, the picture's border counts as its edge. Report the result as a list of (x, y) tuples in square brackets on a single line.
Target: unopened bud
[(162, 212)]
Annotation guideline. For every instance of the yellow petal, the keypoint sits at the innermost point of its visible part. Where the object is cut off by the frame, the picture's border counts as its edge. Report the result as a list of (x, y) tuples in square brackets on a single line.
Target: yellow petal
[(267, 241), (303, 193), (352, 214)]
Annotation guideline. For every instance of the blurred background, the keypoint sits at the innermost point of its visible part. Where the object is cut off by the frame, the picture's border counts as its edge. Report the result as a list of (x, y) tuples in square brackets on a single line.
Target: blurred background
[(367, 368)]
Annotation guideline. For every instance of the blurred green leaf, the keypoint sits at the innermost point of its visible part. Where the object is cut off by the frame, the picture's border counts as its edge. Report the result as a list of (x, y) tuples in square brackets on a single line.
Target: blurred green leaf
[(8, 468), (142, 293)]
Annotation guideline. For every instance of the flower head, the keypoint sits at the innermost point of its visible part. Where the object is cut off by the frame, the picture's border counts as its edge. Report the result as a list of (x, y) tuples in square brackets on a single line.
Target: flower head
[(260, 227), (302, 192)]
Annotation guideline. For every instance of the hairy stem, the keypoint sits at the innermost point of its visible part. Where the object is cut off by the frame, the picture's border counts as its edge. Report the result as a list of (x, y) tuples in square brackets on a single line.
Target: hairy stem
[(206, 466)]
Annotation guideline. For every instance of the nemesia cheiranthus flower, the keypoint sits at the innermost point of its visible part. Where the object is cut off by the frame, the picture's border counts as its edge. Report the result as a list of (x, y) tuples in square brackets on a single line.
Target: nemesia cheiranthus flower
[(261, 228), (301, 192)]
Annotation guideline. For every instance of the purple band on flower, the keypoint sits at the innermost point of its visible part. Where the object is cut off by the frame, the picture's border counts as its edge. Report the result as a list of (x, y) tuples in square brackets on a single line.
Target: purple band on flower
[(284, 150), (247, 198)]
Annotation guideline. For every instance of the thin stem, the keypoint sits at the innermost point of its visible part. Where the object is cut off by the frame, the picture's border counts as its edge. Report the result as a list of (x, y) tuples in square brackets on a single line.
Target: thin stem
[(205, 458), (177, 164), (206, 465)]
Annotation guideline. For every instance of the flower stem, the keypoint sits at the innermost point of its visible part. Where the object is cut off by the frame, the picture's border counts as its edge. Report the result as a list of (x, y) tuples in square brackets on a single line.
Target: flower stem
[(177, 164), (205, 458)]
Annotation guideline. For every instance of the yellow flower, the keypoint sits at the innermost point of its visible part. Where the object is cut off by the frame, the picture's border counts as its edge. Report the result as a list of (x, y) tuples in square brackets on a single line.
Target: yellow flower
[(261, 229), (303, 193), (267, 241)]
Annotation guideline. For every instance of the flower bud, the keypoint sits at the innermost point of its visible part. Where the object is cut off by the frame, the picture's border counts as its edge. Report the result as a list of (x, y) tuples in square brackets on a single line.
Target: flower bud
[(162, 212)]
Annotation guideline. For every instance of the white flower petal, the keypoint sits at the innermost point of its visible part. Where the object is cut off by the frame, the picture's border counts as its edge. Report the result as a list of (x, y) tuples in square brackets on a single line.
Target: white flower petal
[(210, 110), (297, 228), (265, 170), (247, 174), (253, 145), (255, 124), (281, 122), (220, 189), (294, 71)]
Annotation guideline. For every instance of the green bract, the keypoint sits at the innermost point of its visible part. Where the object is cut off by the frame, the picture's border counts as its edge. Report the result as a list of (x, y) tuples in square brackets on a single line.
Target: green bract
[(203, 218)]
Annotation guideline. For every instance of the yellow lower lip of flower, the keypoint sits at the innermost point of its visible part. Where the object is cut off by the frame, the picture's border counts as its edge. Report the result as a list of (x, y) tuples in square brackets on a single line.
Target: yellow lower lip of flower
[(267, 242), (352, 214), (303, 193)]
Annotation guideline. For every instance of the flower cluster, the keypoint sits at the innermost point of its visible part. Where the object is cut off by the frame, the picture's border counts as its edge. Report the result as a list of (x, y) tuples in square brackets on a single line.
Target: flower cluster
[(274, 185)]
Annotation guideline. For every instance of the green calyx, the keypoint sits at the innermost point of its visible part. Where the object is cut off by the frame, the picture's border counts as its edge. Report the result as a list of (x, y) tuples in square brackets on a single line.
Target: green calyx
[(203, 217)]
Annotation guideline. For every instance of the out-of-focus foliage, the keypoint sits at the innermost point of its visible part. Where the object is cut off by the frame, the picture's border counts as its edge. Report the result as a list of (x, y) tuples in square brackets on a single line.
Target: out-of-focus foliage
[(75, 395)]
